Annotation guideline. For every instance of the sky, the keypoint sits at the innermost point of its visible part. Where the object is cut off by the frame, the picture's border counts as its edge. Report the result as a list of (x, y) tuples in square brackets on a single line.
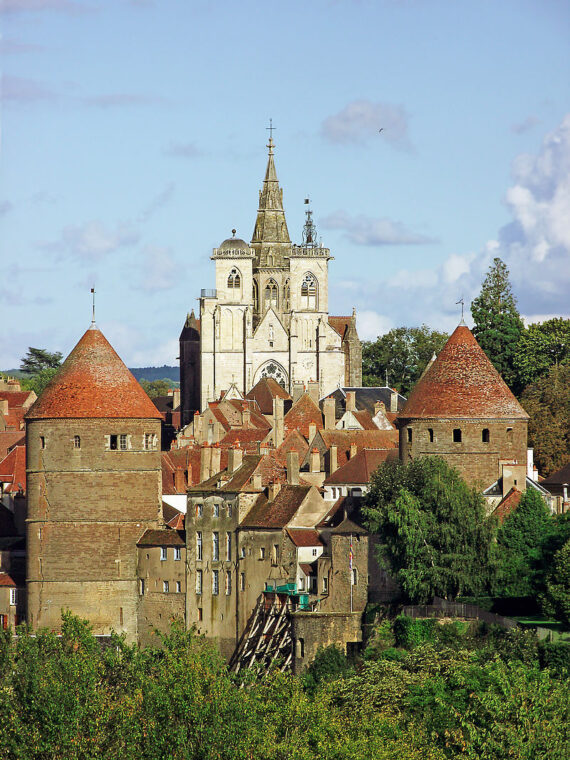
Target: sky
[(430, 135)]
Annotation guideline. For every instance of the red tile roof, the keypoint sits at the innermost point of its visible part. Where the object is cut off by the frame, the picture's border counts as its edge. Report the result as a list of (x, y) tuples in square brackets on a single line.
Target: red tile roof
[(93, 382), (365, 420), (177, 522), (302, 414), (276, 513), (359, 469), (304, 537), (292, 441), (462, 382), (17, 398), (165, 537), (264, 391), (508, 504), (6, 580), (10, 438), (248, 438), (370, 439), (340, 324), (13, 470)]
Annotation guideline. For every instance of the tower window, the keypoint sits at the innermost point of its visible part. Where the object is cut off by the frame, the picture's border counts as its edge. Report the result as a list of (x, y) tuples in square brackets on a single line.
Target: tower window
[(42, 442), (409, 434), (234, 279), (271, 295), (485, 436), (166, 587), (255, 295), (198, 581), (287, 296), (228, 582), (309, 292), (457, 435), (430, 434), (215, 582), (509, 435), (76, 442), (215, 546)]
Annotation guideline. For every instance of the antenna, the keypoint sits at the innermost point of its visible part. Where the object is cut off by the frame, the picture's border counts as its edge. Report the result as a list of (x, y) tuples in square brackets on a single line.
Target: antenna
[(93, 317)]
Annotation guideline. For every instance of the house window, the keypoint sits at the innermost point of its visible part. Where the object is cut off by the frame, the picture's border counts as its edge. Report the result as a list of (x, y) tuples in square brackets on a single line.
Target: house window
[(215, 546), (242, 581), (123, 442), (216, 510), (242, 552), (199, 510), (262, 552), (275, 557), (309, 292), (42, 442), (457, 435), (148, 441), (301, 583), (325, 585), (314, 552), (76, 442), (178, 587), (271, 295), (228, 546), (228, 582), (165, 587), (199, 614), (430, 434), (234, 279), (215, 582), (485, 436), (198, 544), (113, 442), (177, 553), (198, 581), (13, 596), (409, 435), (163, 553)]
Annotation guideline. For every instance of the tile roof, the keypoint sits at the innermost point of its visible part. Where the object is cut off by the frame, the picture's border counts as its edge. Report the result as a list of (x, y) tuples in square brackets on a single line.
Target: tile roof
[(13, 470), (10, 438), (7, 580), (248, 438), (276, 513), (302, 414), (264, 391), (508, 504), (165, 537), (462, 382), (359, 469), (304, 537), (559, 477), (177, 522), (292, 441), (347, 527), (18, 398), (370, 439), (93, 382), (266, 466), (365, 420), (340, 324), (365, 398)]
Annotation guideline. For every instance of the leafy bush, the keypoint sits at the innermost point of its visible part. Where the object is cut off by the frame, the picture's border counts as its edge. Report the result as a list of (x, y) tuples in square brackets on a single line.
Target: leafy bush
[(411, 632)]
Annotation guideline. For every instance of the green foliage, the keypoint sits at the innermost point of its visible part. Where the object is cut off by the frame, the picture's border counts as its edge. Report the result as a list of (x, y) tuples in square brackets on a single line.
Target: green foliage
[(38, 382), (434, 536), (547, 401), (540, 347), (329, 663), (411, 632), (403, 353), (38, 359), (556, 657), (498, 325), (521, 543), (556, 600), (156, 388)]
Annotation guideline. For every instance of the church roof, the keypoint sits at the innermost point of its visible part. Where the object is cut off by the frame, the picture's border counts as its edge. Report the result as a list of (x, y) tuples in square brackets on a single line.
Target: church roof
[(462, 382), (93, 382), (340, 324)]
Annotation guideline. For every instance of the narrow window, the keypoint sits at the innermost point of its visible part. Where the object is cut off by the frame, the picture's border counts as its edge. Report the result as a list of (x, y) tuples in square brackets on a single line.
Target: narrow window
[(199, 510), (234, 280), (275, 553), (228, 546), (430, 433), (178, 587), (309, 292), (141, 587), (242, 552), (163, 553), (262, 552), (120, 616), (198, 581), (113, 442), (165, 586), (215, 582), (409, 435), (177, 553), (229, 510), (287, 296), (13, 596), (198, 544), (228, 582), (354, 577), (509, 435), (215, 546), (271, 295), (485, 435), (42, 442), (199, 614), (325, 585), (314, 552), (216, 510), (300, 647), (242, 581), (123, 442), (255, 296), (456, 435), (148, 442), (76, 442), (301, 584)]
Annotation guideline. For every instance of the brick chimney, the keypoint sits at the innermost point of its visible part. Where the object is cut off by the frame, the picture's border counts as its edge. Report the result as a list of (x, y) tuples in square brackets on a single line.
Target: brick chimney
[(333, 459), (205, 461), (394, 400), (179, 480), (256, 481), (312, 431), (329, 412), (353, 450), (278, 424), (273, 490), (235, 458), (216, 460), (298, 390), (379, 406), (246, 416), (315, 460), (197, 426), (350, 401), (293, 467)]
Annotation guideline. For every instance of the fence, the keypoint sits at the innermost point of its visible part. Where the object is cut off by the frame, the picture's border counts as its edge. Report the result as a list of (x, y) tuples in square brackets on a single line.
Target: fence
[(441, 608)]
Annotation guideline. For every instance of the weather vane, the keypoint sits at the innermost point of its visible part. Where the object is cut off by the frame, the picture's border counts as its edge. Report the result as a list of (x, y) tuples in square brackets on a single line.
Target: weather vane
[(462, 302)]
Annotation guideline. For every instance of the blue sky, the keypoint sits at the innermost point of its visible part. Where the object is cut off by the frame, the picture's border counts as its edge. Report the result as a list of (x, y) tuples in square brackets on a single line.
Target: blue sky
[(133, 141)]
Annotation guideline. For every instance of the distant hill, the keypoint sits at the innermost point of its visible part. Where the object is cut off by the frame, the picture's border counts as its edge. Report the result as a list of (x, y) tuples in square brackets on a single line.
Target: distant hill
[(13, 372), (157, 373)]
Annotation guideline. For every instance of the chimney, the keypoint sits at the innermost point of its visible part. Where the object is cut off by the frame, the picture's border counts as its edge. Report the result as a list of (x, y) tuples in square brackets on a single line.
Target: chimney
[(179, 480), (264, 449), (205, 462), (197, 426), (394, 400), (313, 390), (246, 416), (298, 390), (353, 450), (315, 460), (278, 424), (293, 467), (333, 459), (235, 458), (4, 406), (312, 431), (216, 459), (350, 401), (329, 412), (379, 406), (273, 490), (256, 481), (175, 398)]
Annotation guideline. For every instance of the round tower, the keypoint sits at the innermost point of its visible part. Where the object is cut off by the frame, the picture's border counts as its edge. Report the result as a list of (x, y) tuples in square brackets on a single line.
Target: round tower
[(462, 410), (94, 487)]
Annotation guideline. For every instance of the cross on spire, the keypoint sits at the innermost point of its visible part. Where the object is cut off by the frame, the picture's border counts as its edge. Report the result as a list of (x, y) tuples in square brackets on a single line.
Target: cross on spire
[(462, 302), (270, 129)]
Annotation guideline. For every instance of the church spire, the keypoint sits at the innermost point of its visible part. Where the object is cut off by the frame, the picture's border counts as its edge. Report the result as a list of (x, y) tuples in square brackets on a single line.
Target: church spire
[(270, 236)]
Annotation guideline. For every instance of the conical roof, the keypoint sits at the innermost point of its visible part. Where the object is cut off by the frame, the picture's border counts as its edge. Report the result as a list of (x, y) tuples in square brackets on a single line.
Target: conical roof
[(270, 232), (93, 382), (462, 382)]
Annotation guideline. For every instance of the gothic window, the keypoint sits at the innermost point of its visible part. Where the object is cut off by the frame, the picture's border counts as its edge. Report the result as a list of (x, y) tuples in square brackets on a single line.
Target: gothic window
[(276, 371), (234, 279), (76, 442), (255, 296), (287, 296), (309, 292), (271, 295)]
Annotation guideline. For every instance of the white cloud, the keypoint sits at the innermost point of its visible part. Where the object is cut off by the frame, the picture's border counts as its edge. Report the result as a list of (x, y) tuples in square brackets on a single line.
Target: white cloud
[(365, 230), (92, 240), (363, 120), (371, 324), (525, 125), (159, 270)]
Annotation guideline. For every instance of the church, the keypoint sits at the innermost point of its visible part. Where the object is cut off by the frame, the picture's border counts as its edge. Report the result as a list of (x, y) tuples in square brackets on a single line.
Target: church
[(268, 315)]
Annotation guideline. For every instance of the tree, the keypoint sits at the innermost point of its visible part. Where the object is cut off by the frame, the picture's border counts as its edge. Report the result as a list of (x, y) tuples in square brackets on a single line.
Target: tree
[(541, 346), (547, 401), (556, 601), (403, 353), (521, 543), (498, 324), (434, 536), (38, 359), (155, 388)]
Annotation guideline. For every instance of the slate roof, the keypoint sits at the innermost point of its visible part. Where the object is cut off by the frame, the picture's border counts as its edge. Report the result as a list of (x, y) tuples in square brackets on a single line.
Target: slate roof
[(264, 391), (165, 537), (304, 537), (359, 469), (276, 513), (93, 382), (302, 414), (462, 383), (559, 477), (191, 329), (365, 398)]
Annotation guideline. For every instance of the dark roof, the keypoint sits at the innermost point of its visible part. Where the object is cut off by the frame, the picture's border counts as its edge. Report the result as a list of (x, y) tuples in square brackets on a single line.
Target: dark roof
[(347, 527), (276, 513), (264, 391), (164, 403), (191, 329), (462, 383), (359, 469), (93, 382), (559, 477), (304, 536), (166, 537), (365, 398)]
